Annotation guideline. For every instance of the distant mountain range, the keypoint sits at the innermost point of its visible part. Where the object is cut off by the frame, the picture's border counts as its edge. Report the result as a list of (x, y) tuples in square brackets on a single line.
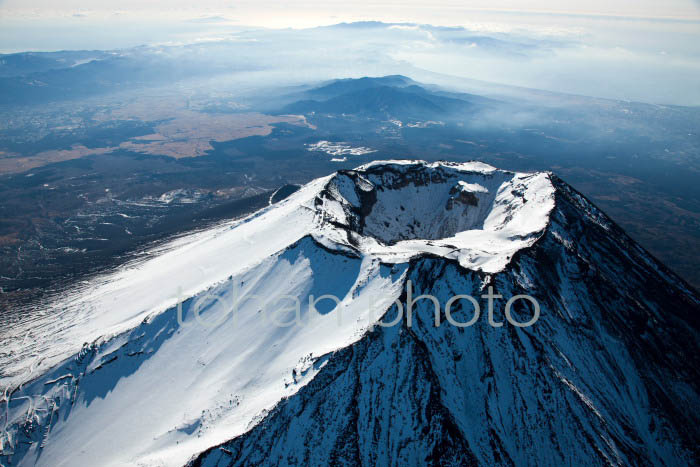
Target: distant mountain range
[(41, 78), (22, 64), (30, 78)]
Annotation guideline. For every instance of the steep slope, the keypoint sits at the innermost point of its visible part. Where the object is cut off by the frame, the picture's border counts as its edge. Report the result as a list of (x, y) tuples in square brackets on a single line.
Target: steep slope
[(183, 352), (173, 385), (604, 377)]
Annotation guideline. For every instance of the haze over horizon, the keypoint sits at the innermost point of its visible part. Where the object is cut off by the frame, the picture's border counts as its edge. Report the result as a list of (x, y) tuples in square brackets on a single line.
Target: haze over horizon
[(639, 51), (267, 12)]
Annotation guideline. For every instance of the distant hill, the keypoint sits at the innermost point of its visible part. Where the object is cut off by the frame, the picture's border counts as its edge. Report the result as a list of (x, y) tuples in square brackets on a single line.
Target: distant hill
[(342, 86), (22, 64), (385, 97)]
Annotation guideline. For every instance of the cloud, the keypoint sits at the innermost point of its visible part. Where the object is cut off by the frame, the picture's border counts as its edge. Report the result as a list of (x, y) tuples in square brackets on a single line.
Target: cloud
[(210, 19), (413, 27)]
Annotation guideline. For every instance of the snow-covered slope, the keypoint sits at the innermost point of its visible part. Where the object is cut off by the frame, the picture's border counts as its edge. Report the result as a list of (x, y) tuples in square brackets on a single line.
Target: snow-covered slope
[(605, 376)]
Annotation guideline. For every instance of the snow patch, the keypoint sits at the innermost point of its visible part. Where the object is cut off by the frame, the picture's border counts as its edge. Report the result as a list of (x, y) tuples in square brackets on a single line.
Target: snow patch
[(339, 149)]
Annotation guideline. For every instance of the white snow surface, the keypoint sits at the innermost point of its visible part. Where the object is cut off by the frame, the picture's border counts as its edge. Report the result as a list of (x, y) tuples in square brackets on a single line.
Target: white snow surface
[(512, 211), (339, 148), (218, 381)]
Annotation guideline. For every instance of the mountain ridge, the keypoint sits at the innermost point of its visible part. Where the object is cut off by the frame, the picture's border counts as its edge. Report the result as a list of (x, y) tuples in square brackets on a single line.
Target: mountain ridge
[(413, 394), (268, 438)]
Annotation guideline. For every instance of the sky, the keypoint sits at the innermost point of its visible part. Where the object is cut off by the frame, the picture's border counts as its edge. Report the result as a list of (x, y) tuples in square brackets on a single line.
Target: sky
[(635, 50), (273, 13)]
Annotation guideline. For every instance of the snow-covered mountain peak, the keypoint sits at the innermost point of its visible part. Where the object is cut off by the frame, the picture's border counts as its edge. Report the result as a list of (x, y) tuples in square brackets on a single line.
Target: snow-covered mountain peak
[(468, 211), (387, 211), (175, 356)]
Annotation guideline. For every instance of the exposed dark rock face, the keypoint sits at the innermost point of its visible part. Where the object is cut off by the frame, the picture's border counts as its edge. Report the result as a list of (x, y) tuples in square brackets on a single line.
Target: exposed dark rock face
[(395, 203)]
